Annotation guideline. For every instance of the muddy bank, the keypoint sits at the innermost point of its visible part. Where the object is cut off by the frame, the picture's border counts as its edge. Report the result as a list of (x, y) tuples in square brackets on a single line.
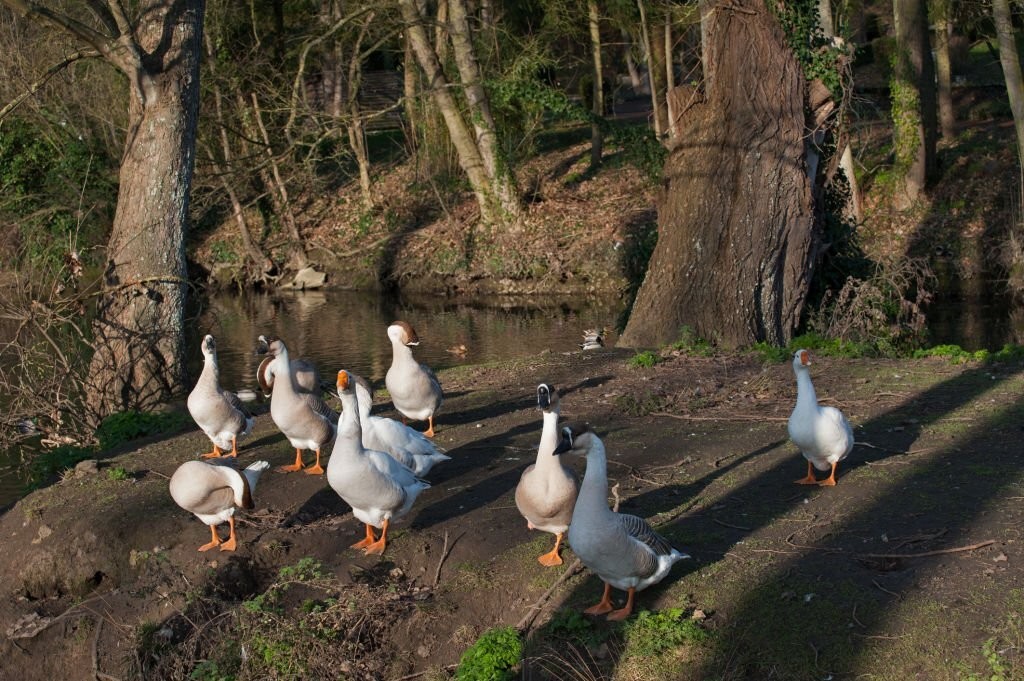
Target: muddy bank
[(874, 576)]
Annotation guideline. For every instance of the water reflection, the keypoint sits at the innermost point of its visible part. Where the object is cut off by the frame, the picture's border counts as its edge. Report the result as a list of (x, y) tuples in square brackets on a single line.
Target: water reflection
[(342, 329), (974, 311)]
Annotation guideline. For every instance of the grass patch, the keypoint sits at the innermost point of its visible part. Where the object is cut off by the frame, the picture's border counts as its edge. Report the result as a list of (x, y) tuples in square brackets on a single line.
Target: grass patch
[(643, 360)]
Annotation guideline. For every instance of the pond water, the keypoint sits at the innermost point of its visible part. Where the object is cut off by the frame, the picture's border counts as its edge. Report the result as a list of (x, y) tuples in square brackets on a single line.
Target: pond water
[(348, 330)]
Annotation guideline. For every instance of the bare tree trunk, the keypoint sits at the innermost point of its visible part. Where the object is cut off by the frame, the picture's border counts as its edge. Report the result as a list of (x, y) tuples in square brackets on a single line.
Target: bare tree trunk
[(596, 137), (1010, 60), (356, 131), (502, 181), (461, 136), (670, 76), (138, 333), (735, 220), (655, 73), (635, 82), (940, 12), (914, 103)]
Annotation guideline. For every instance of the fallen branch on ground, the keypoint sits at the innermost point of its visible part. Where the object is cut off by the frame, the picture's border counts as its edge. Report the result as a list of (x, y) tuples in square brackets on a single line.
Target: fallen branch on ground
[(924, 554)]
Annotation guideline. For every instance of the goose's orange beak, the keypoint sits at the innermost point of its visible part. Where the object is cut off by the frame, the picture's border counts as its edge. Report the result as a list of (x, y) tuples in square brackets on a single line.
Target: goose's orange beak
[(805, 358), (342, 379)]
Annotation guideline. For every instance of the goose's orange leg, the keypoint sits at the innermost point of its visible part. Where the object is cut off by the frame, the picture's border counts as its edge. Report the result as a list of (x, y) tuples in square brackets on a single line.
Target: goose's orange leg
[(215, 542), (365, 542), (605, 605), (377, 547), (624, 612), (230, 544), (810, 479), (297, 466), (552, 558), (234, 446), (830, 481), (429, 432), (214, 453), (316, 469)]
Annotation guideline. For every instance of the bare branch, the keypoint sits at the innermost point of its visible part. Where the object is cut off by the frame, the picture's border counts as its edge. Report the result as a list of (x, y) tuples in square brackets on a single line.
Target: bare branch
[(50, 73), (32, 10)]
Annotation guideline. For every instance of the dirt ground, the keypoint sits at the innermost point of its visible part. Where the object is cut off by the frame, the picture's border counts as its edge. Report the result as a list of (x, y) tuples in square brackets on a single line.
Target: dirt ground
[(871, 579)]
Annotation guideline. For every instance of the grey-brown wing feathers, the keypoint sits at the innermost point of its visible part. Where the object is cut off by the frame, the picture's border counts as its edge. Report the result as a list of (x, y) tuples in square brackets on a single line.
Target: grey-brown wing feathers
[(638, 528), (216, 501)]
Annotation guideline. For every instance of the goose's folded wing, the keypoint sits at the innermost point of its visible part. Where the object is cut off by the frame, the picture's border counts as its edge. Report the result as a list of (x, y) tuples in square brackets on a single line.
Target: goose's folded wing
[(215, 501), (638, 529), (315, 403), (433, 379), (233, 400)]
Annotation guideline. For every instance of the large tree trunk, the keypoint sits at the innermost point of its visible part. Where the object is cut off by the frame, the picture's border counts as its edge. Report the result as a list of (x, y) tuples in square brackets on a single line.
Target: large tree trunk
[(735, 220), (139, 326), (1011, 69), (596, 136), (915, 125)]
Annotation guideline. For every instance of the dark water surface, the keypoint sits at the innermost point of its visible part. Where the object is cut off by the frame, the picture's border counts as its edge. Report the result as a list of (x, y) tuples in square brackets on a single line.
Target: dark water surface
[(348, 330)]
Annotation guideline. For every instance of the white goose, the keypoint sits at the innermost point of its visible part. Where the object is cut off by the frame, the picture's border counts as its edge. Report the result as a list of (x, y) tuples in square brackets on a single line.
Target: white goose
[(408, 446), (623, 550), (546, 492), (377, 487), (415, 390), (307, 378), (219, 413), (823, 434), (212, 492), (304, 418)]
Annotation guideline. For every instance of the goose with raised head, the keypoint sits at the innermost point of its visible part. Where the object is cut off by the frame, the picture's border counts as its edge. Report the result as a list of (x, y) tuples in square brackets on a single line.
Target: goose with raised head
[(546, 493), (307, 378), (304, 418), (376, 486), (406, 445), (213, 492), (823, 434), (218, 412), (622, 549), (415, 390)]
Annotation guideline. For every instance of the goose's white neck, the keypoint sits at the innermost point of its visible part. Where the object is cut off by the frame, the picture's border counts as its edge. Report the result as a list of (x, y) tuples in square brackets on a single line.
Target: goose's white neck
[(349, 426), (280, 369), (805, 395), (400, 350), (548, 441), (593, 495), (210, 367)]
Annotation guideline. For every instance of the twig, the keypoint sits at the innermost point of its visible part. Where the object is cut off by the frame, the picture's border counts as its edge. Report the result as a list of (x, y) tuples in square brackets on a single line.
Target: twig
[(882, 588), (615, 495), (854, 615), (424, 672), (444, 555), (735, 527), (100, 676), (738, 417), (937, 552), (535, 609)]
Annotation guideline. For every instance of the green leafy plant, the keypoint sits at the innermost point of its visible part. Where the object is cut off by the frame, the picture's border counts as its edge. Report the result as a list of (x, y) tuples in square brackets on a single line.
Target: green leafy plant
[(209, 670), (643, 360), (118, 474), (492, 657), (305, 570), (571, 625), (692, 344), (131, 425), (655, 632)]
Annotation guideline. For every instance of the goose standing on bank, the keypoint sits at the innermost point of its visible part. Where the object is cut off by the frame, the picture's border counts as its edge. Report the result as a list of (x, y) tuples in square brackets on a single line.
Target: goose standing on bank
[(304, 418), (219, 413), (415, 390), (623, 550), (376, 486), (546, 492), (212, 492), (823, 434), (307, 378), (406, 445)]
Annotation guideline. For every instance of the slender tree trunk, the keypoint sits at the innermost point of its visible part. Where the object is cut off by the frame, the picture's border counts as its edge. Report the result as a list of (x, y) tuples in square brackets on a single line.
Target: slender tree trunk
[(461, 135), (635, 82), (356, 131), (735, 220), (940, 12), (596, 137), (655, 72), (502, 181), (670, 76), (914, 101), (1010, 60)]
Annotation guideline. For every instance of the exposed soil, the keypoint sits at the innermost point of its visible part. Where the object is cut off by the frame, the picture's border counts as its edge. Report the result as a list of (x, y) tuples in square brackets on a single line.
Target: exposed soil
[(863, 580)]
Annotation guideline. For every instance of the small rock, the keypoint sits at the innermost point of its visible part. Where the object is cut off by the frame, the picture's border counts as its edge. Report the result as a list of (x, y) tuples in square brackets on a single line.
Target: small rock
[(423, 651), (87, 467), (998, 559), (396, 573), (44, 532), (698, 615), (808, 597)]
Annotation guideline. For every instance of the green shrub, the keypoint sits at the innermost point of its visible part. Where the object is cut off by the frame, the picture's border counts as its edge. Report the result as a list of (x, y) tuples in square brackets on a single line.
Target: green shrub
[(655, 632), (492, 657), (118, 474), (645, 360), (131, 425)]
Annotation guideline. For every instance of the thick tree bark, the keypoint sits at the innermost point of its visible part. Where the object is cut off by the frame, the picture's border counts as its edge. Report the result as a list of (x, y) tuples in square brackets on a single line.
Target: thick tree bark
[(596, 137), (138, 333), (735, 219), (940, 11), (915, 125), (1011, 68)]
